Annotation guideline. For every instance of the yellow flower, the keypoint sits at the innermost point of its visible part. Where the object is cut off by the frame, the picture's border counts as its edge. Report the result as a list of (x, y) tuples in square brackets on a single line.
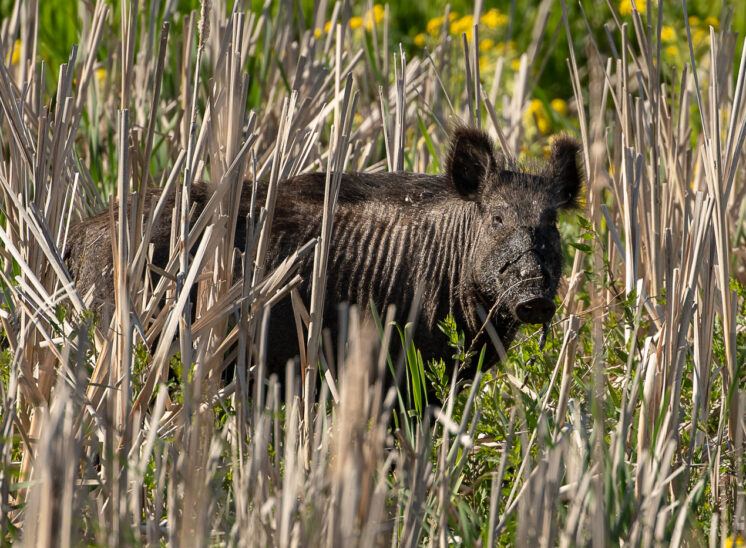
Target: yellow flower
[(735, 540), (317, 33), (693, 21), (419, 40), (537, 111), (712, 22), (487, 44), (356, 22), (700, 38), (559, 105), (625, 6), (100, 75), (16, 53), (378, 12), (494, 19), (502, 46), (464, 24), (358, 118), (668, 34), (515, 64), (434, 25), (542, 122), (672, 51), (375, 15), (327, 27), (483, 64)]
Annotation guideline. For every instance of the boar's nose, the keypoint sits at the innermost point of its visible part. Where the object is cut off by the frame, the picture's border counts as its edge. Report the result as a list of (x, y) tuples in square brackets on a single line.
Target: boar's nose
[(534, 310)]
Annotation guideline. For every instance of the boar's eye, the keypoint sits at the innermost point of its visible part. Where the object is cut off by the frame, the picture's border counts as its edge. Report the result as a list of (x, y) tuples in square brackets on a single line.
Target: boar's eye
[(497, 221)]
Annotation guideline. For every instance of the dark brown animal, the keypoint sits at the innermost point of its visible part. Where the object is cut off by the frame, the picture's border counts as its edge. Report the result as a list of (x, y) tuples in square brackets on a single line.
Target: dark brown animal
[(483, 233)]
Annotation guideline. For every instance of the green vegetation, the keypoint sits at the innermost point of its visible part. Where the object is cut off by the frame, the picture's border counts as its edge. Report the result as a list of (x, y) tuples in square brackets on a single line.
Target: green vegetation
[(626, 426)]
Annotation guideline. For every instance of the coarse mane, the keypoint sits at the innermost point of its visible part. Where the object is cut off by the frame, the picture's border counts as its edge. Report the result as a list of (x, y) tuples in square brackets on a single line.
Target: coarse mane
[(404, 188)]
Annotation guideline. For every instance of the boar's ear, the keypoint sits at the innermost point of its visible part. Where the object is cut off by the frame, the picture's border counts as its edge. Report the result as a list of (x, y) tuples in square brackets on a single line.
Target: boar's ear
[(563, 171), (472, 158)]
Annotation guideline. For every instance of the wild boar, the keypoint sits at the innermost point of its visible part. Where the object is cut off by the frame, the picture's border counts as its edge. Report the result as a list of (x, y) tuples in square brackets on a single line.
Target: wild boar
[(482, 234)]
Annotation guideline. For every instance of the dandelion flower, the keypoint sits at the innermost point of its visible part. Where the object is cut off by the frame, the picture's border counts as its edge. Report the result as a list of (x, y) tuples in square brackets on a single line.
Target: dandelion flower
[(433, 25), (419, 40), (502, 47), (700, 38), (537, 111), (464, 24), (625, 6), (378, 12), (375, 15), (712, 22), (16, 53), (356, 22), (487, 45), (100, 75), (668, 34), (494, 19), (559, 106)]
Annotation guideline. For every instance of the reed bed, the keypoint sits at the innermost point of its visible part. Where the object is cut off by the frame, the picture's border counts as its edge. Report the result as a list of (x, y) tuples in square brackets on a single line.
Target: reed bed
[(155, 423)]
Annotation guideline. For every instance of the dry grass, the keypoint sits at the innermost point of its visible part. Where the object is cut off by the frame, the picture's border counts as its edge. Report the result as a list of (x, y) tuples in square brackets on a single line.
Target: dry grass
[(635, 433)]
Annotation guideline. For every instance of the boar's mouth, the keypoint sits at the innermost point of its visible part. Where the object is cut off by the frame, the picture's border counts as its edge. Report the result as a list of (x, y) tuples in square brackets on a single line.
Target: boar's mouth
[(534, 309)]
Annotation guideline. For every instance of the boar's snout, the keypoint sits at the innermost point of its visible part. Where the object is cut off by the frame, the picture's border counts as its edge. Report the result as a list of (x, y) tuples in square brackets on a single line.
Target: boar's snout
[(534, 310), (523, 284), (535, 281)]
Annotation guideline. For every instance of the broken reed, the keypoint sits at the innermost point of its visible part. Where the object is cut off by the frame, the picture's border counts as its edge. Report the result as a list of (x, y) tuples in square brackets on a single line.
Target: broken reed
[(113, 456)]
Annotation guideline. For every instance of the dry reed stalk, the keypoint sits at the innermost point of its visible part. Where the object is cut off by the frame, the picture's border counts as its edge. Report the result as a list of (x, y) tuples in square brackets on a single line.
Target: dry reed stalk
[(337, 161)]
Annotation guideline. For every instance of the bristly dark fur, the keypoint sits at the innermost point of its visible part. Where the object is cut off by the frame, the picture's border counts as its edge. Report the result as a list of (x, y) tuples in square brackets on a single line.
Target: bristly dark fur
[(482, 234)]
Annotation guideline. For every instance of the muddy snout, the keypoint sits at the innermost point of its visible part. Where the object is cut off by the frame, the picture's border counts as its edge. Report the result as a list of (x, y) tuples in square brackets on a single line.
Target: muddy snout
[(533, 304), (534, 310)]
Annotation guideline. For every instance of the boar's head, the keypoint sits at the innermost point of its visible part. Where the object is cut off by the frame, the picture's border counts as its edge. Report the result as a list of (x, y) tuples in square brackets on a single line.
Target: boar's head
[(515, 259)]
